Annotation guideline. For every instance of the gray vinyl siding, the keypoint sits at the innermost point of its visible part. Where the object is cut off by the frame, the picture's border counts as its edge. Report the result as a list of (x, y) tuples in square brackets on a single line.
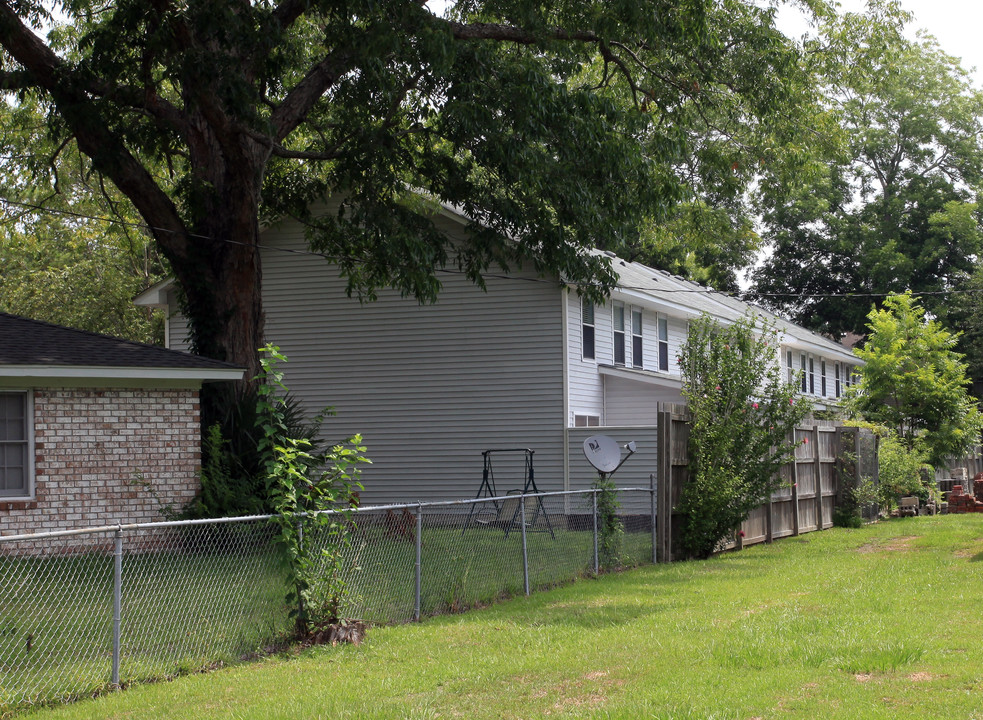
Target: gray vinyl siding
[(428, 387), (636, 472)]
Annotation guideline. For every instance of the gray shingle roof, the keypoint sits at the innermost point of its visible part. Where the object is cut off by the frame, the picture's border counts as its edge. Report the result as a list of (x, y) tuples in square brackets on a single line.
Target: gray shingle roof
[(32, 342)]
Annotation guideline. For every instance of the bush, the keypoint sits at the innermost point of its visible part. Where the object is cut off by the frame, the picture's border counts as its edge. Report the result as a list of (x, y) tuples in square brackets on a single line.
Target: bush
[(743, 416), (903, 471)]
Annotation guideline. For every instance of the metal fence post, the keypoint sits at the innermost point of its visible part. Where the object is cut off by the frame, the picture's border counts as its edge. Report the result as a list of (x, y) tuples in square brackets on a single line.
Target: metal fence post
[(419, 561), (655, 540), (117, 601), (525, 549), (597, 564)]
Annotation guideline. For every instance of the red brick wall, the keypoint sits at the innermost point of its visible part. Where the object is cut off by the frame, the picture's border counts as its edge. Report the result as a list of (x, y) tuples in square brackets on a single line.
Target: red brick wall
[(104, 456)]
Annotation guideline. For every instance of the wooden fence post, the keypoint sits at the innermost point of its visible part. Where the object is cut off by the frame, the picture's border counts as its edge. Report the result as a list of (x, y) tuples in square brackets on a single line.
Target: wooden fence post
[(817, 460), (795, 490)]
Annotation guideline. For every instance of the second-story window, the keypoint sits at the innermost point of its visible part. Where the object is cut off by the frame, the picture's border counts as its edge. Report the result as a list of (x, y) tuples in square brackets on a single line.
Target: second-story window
[(663, 343), (619, 334), (636, 338), (802, 367), (788, 365), (836, 379), (812, 376), (822, 377), (587, 324)]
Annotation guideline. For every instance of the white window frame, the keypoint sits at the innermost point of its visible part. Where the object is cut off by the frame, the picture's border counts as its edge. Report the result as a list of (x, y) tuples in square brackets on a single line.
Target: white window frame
[(822, 376), (637, 359), (662, 343), (812, 375), (837, 380), (586, 420), (584, 304), (803, 383), (618, 335), (28, 443), (788, 365)]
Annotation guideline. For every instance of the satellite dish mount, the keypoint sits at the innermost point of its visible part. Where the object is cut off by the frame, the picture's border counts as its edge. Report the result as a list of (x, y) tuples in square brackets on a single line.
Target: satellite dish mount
[(604, 454)]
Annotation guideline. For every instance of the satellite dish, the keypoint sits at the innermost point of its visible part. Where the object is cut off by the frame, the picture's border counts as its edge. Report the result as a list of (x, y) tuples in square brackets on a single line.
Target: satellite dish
[(603, 453)]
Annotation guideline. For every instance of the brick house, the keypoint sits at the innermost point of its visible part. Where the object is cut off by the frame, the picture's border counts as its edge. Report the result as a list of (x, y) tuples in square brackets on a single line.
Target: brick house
[(95, 430)]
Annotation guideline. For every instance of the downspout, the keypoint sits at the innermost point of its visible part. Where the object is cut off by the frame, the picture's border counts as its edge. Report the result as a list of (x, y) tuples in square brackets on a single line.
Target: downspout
[(565, 342)]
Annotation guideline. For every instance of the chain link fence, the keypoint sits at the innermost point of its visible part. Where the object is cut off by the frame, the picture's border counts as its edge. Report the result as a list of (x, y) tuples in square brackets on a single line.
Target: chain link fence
[(88, 610)]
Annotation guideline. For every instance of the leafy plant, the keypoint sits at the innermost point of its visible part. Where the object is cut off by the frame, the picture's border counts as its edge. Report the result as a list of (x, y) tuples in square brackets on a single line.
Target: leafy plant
[(914, 383), (610, 529), (743, 418), (306, 485), (902, 470)]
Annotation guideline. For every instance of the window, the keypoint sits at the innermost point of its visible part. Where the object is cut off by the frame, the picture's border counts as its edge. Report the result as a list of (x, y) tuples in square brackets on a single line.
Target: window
[(619, 334), (836, 379), (812, 376), (802, 367), (636, 338), (586, 421), (663, 343), (822, 377), (587, 324), (788, 365), (15, 467)]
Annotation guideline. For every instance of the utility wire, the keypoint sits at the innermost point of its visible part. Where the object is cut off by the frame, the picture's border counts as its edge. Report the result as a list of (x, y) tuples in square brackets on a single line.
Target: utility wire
[(447, 271)]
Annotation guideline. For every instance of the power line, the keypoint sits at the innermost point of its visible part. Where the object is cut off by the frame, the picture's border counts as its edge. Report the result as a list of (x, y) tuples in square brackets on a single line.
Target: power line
[(448, 271)]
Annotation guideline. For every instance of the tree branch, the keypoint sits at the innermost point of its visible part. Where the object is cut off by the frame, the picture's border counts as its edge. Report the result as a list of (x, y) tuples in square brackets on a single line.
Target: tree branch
[(93, 136), (299, 101)]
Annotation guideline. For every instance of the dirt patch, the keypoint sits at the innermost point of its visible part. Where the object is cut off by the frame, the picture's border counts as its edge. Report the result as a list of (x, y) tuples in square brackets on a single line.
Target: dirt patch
[(898, 544), (863, 677), (921, 677), (572, 693)]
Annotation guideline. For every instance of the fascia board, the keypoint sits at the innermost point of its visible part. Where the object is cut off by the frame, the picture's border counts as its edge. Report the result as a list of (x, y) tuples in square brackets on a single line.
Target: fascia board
[(59, 372)]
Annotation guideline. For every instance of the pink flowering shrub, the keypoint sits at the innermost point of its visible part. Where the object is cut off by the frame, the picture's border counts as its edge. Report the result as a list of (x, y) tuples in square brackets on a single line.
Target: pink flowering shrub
[(740, 433)]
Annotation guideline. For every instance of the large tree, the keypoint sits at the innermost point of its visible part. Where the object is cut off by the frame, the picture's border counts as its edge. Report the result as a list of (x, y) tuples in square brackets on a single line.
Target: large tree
[(213, 116), (915, 383), (893, 208)]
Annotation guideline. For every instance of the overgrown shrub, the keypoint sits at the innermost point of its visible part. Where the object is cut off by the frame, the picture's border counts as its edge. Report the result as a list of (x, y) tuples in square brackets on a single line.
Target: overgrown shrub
[(610, 529), (234, 476), (743, 416), (303, 484), (902, 471)]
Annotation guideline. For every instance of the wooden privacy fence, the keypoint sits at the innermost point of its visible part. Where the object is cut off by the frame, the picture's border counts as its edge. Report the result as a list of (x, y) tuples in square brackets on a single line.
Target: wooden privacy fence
[(806, 501)]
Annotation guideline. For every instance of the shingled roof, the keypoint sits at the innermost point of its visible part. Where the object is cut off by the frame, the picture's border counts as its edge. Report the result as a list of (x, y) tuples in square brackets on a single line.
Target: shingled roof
[(32, 343)]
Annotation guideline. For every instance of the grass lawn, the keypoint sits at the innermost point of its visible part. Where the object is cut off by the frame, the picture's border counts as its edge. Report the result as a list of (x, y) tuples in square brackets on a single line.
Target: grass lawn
[(882, 622), (214, 595)]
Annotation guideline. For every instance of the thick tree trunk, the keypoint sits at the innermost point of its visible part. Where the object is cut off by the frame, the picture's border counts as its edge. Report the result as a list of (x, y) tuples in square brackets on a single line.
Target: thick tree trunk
[(221, 273)]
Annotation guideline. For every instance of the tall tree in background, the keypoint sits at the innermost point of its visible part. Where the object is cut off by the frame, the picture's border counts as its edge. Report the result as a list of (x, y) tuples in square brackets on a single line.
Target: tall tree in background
[(72, 249), (915, 383), (895, 208), (210, 116)]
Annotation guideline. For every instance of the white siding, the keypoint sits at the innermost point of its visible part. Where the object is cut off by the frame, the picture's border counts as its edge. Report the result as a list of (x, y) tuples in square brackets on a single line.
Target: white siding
[(586, 391), (630, 403), (178, 334), (429, 387)]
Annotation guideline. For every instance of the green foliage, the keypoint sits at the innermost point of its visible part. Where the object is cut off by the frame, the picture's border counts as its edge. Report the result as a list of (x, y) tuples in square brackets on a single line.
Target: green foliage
[(743, 414), (304, 485), (893, 205), (856, 496), (550, 125), (902, 471), (915, 383), (610, 529)]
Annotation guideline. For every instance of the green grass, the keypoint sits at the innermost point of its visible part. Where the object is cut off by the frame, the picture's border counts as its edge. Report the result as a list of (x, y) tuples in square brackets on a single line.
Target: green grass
[(881, 622), (210, 596)]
